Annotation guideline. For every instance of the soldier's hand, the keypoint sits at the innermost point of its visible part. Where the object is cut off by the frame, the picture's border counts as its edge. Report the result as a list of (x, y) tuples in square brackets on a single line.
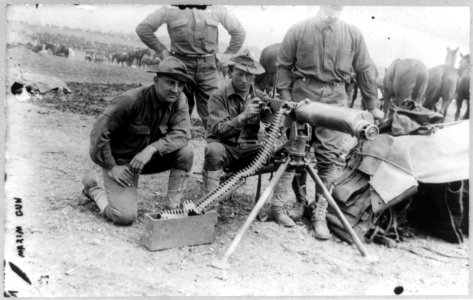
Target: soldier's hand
[(377, 114), (141, 159), (122, 175), (252, 109)]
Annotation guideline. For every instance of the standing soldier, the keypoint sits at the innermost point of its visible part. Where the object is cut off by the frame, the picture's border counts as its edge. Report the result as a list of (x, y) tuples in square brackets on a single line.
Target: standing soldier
[(193, 30), (143, 131), (315, 61)]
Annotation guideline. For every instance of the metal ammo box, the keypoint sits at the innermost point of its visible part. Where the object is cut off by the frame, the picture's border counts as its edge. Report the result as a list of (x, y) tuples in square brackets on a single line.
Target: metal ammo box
[(162, 234)]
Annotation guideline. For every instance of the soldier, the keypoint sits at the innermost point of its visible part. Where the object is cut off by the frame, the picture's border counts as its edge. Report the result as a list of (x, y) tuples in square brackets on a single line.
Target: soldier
[(143, 131), (233, 131), (315, 61), (193, 30)]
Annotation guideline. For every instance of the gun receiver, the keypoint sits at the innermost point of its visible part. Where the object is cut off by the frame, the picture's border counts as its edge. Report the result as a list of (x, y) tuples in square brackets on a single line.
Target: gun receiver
[(354, 122)]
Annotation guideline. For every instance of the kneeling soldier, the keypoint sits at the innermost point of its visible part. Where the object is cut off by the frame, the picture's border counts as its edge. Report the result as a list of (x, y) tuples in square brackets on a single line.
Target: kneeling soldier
[(144, 131)]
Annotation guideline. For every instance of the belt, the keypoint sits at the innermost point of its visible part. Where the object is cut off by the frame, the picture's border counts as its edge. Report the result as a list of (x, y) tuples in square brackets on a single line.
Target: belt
[(315, 81), (192, 55)]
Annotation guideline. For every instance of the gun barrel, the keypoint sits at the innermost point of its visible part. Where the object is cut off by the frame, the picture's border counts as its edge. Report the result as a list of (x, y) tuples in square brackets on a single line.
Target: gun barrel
[(355, 122)]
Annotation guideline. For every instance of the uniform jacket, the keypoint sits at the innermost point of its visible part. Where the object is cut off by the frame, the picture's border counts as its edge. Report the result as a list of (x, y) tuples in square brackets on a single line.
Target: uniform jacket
[(326, 54), (135, 120), (192, 31), (224, 107)]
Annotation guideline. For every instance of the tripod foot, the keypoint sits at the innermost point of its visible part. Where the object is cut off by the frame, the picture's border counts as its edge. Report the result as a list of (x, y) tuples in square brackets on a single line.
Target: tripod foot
[(220, 263), (371, 258)]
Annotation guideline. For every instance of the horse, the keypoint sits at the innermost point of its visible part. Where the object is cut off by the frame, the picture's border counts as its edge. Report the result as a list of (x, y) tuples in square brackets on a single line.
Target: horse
[(99, 57), (404, 79), (148, 61), (463, 91), (58, 50), (443, 83), (451, 57), (268, 58), (138, 55), (121, 58), (61, 50)]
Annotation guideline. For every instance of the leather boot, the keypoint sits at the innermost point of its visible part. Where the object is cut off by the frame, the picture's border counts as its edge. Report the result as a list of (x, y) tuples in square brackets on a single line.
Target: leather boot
[(300, 189), (211, 180), (319, 219), (94, 192), (281, 195), (176, 187), (211, 183), (278, 213)]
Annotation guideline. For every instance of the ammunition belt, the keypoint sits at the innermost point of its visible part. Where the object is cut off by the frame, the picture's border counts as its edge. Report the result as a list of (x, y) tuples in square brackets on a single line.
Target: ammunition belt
[(190, 208)]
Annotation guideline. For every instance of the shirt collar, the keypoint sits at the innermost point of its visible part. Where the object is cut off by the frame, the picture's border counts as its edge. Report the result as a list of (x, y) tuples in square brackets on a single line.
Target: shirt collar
[(321, 24)]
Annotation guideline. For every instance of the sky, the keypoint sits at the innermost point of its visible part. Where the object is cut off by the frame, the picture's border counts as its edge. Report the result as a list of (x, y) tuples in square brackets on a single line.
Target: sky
[(390, 32)]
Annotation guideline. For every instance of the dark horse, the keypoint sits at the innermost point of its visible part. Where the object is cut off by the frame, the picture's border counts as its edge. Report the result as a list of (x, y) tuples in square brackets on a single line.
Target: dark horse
[(138, 55), (444, 82), (268, 57), (463, 91), (58, 50), (121, 58), (404, 79)]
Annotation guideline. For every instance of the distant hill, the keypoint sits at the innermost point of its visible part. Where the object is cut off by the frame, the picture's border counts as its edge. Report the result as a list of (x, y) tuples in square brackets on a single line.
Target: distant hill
[(23, 33)]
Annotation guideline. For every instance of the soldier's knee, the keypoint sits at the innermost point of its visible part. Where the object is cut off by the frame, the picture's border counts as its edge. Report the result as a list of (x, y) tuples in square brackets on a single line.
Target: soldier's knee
[(122, 217), (184, 158), (214, 150), (214, 154)]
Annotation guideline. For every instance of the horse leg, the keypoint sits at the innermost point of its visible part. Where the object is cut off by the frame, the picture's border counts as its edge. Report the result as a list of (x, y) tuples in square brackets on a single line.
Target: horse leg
[(386, 104), (459, 102), (467, 113), (445, 103)]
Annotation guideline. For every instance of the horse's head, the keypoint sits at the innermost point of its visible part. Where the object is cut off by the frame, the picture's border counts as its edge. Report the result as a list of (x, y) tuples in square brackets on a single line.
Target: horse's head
[(451, 57), (464, 63)]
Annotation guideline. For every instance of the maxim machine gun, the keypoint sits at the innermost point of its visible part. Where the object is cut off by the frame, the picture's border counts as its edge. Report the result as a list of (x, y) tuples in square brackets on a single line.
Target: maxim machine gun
[(298, 117)]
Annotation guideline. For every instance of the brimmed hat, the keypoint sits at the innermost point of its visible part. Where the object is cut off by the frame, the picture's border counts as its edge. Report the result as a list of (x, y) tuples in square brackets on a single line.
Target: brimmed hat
[(244, 60), (173, 68)]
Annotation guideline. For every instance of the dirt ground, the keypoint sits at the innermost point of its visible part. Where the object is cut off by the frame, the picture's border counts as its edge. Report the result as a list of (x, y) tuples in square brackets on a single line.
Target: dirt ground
[(70, 250)]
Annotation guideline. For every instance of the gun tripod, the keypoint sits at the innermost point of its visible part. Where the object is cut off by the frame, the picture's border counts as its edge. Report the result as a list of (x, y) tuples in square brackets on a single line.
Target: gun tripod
[(297, 148)]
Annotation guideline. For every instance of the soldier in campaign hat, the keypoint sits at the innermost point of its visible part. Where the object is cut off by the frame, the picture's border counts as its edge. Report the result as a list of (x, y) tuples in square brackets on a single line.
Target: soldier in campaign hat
[(144, 131), (233, 130)]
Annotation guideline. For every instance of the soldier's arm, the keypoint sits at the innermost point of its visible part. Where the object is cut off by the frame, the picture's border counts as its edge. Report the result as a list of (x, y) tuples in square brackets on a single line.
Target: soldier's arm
[(146, 29), (286, 59), (113, 117), (234, 28), (178, 134), (365, 73), (221, 124)]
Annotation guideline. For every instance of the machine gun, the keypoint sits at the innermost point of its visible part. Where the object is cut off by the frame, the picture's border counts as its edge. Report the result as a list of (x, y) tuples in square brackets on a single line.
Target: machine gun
[(299, 117)]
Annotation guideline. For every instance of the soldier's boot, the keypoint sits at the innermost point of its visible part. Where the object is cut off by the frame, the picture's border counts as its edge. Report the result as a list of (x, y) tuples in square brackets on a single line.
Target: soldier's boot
[(278, 213), (211, 183), (176, 186), (94, 192), (280, 196), (300, 189), (319, 219)]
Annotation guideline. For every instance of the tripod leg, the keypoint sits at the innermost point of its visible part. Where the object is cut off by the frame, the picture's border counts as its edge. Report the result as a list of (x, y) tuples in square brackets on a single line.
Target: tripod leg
[(334, 205), (223, 262)]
